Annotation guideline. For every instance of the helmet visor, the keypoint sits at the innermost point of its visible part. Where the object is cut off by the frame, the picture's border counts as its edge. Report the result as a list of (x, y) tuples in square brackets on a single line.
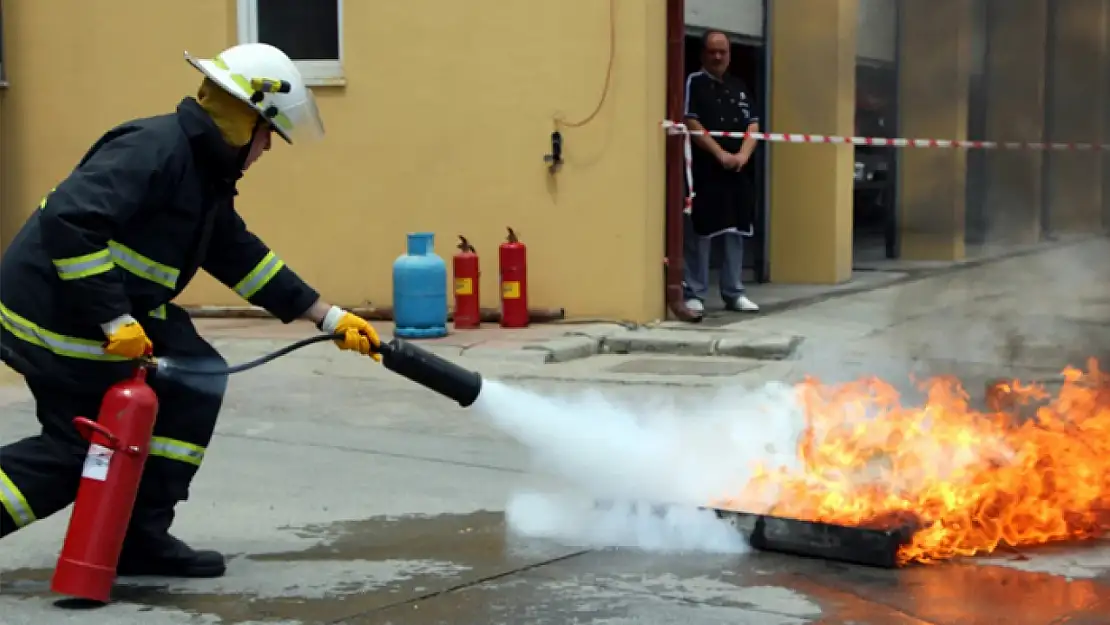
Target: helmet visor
[(300, 123)]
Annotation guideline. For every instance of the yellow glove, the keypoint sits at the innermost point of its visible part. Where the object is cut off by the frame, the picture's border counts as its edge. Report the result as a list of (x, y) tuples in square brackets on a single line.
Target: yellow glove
[(126, 338), (358, 334)]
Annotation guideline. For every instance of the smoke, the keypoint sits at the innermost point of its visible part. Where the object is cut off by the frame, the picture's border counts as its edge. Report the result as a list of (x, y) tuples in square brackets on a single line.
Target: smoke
[(581, 522), (1026, 316), (1040, 311), (636, 473), (675, 456)]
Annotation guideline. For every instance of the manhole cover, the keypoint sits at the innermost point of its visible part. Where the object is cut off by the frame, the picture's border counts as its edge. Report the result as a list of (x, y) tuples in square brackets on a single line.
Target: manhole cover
[(683, 366)]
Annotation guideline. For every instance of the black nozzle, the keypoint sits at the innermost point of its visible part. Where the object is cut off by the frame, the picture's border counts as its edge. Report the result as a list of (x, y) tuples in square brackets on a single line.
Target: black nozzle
[(431, 371)]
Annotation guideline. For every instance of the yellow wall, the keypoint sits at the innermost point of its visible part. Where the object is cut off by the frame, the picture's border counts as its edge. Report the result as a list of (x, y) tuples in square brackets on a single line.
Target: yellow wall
[(813, 91), (1022, 105), (1015, 97), (935, 70), (3, 233), (1076, 92), (442, 126)]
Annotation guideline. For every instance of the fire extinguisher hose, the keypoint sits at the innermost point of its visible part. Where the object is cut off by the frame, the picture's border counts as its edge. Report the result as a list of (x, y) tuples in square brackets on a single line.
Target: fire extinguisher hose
[(401, 357), (177, 367), (419, 365), (250, 364)]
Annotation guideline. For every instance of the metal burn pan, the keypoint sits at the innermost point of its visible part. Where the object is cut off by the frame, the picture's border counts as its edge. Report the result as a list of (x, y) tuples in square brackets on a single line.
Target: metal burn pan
[(876, 547)]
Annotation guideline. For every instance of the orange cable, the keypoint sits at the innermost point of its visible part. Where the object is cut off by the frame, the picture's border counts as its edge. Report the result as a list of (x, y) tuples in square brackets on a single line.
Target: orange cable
[(608, 71)]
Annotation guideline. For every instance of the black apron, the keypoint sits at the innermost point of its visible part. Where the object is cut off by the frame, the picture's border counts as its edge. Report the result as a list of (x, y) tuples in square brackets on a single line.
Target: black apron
[(724, 200)]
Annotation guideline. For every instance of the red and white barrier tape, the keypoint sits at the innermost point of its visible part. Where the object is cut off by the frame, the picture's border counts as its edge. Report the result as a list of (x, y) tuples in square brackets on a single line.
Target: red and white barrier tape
[(677, 128)]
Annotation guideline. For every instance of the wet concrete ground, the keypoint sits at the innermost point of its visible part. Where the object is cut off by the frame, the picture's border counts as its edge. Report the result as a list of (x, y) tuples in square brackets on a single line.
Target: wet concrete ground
[(464, 569), (345, 495)]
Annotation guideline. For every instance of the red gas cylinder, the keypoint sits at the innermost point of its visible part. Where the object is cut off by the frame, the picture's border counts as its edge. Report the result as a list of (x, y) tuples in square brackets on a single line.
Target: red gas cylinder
[(468, 311), (514, 282), (119, 442)]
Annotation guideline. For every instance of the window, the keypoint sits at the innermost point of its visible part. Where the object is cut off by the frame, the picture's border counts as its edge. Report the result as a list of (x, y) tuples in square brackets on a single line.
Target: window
[(309, 31)]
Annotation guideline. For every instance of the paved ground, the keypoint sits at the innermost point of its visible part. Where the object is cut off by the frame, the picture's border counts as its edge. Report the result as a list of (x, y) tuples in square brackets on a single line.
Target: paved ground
[(347, 495)]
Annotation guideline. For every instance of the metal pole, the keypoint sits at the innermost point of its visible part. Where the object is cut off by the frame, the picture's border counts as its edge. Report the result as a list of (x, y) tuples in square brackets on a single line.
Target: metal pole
[(764, 268)]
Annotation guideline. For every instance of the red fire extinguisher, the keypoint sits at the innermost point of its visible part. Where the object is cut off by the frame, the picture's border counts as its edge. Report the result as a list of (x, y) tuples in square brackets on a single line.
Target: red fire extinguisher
[(119, 442), (468, 312), (514, 282)]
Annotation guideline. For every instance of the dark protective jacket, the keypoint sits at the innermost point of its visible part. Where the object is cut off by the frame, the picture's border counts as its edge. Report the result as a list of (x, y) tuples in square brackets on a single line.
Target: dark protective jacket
[(150, 204)]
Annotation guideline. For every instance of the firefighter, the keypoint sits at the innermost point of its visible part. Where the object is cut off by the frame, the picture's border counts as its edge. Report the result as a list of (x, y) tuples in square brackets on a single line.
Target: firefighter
[(89, 280)]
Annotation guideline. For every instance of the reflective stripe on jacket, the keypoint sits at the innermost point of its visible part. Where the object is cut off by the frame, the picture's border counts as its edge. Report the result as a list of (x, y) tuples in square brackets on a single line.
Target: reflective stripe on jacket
[(150, 204)]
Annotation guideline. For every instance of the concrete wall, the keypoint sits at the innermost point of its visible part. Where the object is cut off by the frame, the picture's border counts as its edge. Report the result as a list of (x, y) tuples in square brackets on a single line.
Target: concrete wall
[(442, 126)]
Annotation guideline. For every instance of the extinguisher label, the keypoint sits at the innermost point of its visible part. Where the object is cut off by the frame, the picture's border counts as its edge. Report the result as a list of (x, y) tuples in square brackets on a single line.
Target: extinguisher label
[(96, 463), (464, 286), (510, 290)]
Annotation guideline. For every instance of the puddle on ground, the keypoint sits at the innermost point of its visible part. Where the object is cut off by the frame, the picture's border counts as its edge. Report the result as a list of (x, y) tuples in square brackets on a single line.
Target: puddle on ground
[(470, 538), (358, 567), (965, 592)]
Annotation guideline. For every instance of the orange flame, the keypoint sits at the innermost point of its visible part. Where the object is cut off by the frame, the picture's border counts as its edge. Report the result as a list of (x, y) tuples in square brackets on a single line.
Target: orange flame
[(968, 481)]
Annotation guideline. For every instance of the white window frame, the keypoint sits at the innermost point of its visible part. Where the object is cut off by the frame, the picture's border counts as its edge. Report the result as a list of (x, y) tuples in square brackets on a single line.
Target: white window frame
[(322, 73)]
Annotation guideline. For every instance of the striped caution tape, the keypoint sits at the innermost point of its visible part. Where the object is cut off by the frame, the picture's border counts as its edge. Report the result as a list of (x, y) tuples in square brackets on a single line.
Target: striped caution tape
[(676, 128)]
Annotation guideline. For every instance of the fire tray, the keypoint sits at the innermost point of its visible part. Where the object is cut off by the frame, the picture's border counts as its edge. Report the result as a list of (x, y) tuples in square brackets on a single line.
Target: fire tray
[(856, 545)]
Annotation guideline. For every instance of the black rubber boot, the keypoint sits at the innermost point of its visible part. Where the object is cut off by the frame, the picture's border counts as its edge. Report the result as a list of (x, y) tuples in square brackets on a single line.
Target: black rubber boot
[(168, 557), (149, 549)]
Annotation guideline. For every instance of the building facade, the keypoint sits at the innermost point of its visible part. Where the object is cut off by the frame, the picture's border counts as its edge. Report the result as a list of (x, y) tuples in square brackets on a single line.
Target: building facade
[(440, 115)]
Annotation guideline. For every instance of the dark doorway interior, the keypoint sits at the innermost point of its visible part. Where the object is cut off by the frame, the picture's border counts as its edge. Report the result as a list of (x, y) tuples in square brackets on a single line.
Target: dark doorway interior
[(976, 221), (747, 65), (874, 217)]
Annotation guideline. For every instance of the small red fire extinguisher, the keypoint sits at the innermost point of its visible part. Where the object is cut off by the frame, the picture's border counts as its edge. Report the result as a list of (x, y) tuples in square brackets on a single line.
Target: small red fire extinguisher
[(514, 282), (468, 312), (119, 443)]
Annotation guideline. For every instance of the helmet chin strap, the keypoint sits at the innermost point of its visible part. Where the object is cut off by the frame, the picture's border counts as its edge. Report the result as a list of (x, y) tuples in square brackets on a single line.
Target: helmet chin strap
[(244, 152)]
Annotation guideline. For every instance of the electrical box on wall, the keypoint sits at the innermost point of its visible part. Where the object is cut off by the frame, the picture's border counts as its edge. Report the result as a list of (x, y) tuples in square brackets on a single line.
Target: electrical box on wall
[(554, 159)]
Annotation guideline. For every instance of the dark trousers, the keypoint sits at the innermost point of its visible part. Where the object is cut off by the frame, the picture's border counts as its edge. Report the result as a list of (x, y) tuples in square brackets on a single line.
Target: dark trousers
[(39, 475)]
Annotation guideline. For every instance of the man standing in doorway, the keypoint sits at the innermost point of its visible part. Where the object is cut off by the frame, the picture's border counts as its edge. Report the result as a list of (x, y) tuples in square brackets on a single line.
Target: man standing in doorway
[(723, 203)]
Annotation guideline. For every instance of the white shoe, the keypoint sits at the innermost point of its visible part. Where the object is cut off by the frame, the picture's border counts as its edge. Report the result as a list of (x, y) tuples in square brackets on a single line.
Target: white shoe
[(742, 304), (695, 307)]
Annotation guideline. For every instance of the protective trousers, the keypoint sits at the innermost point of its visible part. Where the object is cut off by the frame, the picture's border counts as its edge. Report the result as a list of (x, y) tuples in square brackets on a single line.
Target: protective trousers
[(39, 475)]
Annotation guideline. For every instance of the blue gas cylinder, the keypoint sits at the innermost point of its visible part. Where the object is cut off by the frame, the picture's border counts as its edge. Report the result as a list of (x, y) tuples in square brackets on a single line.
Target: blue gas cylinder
[(420, 290)]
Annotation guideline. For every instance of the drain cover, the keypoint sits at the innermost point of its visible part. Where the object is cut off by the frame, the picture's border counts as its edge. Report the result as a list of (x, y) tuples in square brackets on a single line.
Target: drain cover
[(684, 366)]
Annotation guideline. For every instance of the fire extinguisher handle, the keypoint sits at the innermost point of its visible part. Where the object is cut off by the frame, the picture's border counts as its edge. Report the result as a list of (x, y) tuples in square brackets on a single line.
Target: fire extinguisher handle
[(86, 427)]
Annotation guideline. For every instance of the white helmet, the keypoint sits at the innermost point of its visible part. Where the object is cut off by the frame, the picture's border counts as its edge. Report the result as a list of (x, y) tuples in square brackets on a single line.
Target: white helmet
[(266, 78)]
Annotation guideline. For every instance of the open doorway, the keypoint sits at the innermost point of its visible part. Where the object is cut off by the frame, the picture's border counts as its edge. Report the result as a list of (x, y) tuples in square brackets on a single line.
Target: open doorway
[(748, 64), (874, 217)]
